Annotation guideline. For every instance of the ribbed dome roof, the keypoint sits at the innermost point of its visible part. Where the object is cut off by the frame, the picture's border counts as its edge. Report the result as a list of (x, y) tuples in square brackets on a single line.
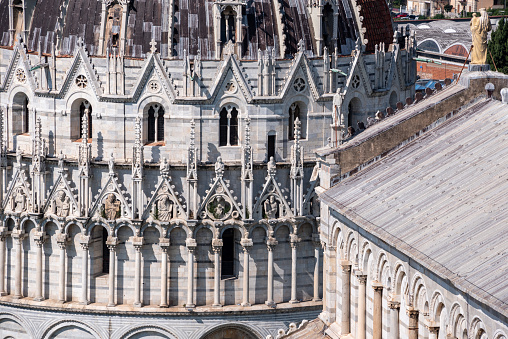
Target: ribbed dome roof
[(192, 23)]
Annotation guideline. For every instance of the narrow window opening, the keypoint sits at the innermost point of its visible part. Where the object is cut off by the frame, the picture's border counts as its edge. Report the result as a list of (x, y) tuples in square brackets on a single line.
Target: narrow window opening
[(228, 127), (228, 253), (26, 116), (155, 124), (105, 252), (328, 19), (223, 122), (233, 129), (271, 146)]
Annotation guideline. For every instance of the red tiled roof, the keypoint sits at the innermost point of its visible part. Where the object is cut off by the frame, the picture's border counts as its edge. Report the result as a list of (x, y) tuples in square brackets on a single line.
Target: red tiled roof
[(377, 22)]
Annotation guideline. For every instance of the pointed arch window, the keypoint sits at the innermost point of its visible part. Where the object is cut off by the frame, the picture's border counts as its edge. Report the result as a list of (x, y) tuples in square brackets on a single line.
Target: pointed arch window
[(294, 113), (328, 25), (20, 114), (26, 116), (155, 123), (228, 130)]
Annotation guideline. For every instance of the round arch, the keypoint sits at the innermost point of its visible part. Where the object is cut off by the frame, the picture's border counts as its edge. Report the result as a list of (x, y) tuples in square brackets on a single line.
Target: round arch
[(147, 331), (18, 321), (53, 328), (240, 330)]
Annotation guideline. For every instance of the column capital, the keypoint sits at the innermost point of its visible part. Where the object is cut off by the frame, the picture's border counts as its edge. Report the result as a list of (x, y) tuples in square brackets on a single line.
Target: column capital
[(191, 244), (84, 241), (61, 240), (362, 278), (18, 235), (412, 313), (346, 265), (39, 238), (4, 232), (393, 305), (433, 328), (294, 240), (164, 244), (138, 242), (111, 243), (246, 244), (271, 243), (377, 286)]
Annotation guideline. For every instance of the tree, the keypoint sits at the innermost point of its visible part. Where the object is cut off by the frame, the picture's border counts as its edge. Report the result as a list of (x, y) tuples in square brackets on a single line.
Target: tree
[(498, 46), (448, 8)]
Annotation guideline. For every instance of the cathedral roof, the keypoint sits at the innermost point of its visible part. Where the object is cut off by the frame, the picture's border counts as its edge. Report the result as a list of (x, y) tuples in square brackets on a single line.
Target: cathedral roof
[(441, 199), (193, 28)]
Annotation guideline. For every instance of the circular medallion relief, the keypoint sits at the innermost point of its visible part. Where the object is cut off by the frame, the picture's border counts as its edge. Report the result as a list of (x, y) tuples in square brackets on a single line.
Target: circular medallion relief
[(81, 81), (299, 85), (20, 75), (154, 86), (230, 87)]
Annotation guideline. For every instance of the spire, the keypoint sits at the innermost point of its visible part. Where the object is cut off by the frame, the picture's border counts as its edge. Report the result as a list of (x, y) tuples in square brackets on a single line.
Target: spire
[(137, 154)]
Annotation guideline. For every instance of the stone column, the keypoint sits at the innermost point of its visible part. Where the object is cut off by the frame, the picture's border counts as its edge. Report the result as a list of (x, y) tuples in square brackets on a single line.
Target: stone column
[(362, 283), (191, 246), (413, 323), (217, 247), (247, 245), (346, 297), (112, 242), (84, 242), (317, 245), (138, 245), (18, 242), (62, 243), (294, 256), (3, 235), (394, 318), (39, 241), (433, 331), (164, 244), (270, 243), (377, 316)]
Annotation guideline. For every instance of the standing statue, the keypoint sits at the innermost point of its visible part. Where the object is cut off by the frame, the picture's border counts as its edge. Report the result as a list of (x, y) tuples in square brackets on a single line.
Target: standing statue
[(19, 203), (62, 204), (480, 26), (111, 207)]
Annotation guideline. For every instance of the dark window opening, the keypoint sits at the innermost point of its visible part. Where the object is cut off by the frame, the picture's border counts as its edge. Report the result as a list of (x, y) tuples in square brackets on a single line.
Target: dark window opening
[(82, 109), (228, 127), (105, 251), (26, 116), (228, 253), (155, 124), (271, 146), (328, 19)]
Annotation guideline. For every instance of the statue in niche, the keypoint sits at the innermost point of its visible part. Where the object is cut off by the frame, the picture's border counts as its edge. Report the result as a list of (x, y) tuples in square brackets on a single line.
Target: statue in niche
[(61, 204), (480, 27), (315, 206), (19, 201), (271, 207), (111, 207), (165, 208), (219, 166), (219, 207)]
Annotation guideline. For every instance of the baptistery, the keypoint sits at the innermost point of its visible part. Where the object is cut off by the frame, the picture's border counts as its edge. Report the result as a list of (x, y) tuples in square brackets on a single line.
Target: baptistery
[(158, 178)]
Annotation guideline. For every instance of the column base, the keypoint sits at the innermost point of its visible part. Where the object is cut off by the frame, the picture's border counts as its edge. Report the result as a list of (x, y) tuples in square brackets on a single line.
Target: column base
[(3, 294), (163, 305), (270, 304), (245, 304), (39, 299), (190, 307), (110, 305), (294, 301), (217, 305), (137, 305), (61, 302), (84, 302), (316, 299), (17, 297)]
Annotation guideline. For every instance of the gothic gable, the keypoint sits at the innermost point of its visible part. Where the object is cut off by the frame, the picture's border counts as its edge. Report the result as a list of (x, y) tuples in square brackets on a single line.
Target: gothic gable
[(19, 196), (19, 69), (62, 200), (230, 63), (165, 204), (111, 203), (271, 203), (301, 67), (154, 79)]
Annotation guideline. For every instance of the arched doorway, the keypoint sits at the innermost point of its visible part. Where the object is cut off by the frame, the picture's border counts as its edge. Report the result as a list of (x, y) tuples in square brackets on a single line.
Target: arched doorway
[(230, 332), (355, 112)]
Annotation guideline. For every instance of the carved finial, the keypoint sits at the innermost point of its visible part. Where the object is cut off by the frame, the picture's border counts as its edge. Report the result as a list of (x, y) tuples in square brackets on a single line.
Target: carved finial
[(61, 159), (193, 133), (137, 159), (219, 167), (164, 167), (301, 46), (298, 130), (19, 155), (272, 167), (153, 46), (111, 164)]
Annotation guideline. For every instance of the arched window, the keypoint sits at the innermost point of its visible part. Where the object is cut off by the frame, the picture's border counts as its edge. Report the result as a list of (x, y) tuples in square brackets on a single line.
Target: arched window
[(228, 28), (155, 123), (270, 147), (355, 112), (228, 122), (20, 114), (85, 108), (328, 24)]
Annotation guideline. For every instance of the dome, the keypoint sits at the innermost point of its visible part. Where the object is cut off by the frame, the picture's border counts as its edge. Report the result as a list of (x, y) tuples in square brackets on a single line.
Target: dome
[(185, 27)]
